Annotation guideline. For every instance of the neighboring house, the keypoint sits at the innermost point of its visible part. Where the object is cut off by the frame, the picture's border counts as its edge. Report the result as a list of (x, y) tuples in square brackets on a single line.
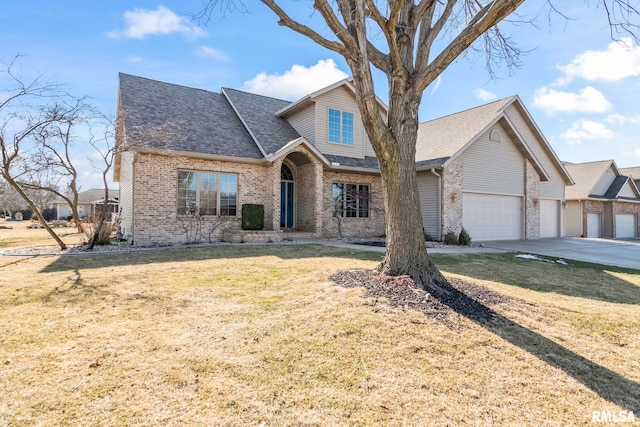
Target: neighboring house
[(87, 200), (634, 173), (603, 202), (183, 151)]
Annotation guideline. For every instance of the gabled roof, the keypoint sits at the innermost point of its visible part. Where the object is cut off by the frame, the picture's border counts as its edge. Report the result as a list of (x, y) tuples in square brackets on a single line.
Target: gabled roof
[(447, 137), (305, 100), (165, 116), (258, 114), (633, 172), (587, 176), (615, 187)]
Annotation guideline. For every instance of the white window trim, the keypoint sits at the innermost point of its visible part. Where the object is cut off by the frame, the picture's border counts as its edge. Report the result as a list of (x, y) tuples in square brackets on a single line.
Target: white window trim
[(353, 130), (218, 192)]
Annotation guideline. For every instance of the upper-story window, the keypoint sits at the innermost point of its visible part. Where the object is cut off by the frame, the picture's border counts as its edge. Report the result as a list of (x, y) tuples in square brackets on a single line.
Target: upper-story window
[(340, 127)]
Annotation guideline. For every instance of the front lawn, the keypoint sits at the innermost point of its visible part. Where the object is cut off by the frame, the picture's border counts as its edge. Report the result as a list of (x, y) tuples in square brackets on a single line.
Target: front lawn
[(258, 335)]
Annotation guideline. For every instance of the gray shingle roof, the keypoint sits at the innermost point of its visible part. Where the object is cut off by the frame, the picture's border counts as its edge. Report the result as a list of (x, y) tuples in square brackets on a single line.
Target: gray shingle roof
[(172, 117), (368, 162), (615, 187), (259, 115), (586, 175)]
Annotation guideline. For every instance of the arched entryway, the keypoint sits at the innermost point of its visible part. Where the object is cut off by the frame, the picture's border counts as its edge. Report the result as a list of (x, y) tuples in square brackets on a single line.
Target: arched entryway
[(300, 190), (287, 198)]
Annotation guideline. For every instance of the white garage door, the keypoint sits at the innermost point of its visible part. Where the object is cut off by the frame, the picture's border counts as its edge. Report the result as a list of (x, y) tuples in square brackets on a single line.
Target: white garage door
[(593, 225), (549, 218), (492, 217), (625, 226)]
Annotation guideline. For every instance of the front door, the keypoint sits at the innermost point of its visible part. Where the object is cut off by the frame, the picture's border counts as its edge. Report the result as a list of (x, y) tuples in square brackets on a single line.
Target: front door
[(286, 204), (286, 197)]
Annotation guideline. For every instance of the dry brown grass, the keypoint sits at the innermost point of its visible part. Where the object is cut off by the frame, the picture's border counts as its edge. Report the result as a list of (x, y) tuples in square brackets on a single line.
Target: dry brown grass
[(21, 235), (252, 335)]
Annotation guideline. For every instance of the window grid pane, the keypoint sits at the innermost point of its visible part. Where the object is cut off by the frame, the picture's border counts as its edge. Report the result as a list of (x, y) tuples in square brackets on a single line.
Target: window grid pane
[(363, 201), (338, 200), (347, 128), (351, 201), (208, 193), (187, 192), (334, 126), (228, 194)]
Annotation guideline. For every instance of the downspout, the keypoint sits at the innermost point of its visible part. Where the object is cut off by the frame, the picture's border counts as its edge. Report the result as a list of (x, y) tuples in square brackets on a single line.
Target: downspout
[(433, 171)]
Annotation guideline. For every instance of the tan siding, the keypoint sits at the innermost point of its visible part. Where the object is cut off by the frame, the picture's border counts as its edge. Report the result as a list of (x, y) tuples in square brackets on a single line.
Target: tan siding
[(494, 167), (428, 185), (627, 191), (604, 182), (574, 219), (339, 99), (126, 193), (554, 188), (304, 123)]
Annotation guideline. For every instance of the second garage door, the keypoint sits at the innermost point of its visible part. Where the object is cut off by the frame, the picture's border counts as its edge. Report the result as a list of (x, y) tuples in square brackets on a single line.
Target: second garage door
[(492, 217), (625, 226), (549, 218)]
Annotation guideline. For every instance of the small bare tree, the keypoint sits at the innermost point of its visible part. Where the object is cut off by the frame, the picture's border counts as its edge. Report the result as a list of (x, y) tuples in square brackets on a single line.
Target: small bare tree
[(20, 119), (106, 150)]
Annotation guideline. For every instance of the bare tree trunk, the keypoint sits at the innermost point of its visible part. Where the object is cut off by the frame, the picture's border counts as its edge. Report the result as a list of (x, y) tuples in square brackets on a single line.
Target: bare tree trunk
[(35, 210), (406, 248)]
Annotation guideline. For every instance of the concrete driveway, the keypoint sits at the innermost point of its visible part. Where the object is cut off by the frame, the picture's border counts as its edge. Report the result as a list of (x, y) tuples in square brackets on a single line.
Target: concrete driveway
[(602, 251)]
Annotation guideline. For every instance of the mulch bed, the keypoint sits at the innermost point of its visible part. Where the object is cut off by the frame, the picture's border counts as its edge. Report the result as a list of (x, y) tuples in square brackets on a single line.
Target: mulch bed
[(463, 298)]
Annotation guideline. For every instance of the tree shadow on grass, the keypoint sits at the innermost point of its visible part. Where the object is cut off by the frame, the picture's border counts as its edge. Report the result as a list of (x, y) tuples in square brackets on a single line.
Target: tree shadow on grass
[(609, 385), (575, 279), (203, 253), (75, 287)]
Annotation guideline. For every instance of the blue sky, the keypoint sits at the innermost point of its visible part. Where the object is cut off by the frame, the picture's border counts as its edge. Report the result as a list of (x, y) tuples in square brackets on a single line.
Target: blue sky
[(580, 87)]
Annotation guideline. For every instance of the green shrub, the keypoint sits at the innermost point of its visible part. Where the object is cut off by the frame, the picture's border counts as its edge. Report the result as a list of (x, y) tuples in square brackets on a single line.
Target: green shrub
[(252, 217), (463, 238), (451, 239)]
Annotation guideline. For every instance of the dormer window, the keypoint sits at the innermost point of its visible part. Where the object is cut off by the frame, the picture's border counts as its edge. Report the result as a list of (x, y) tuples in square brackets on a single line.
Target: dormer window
[(340, 127)]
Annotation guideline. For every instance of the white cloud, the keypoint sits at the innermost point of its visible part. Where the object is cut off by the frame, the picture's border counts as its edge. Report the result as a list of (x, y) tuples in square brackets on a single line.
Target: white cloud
[(621, 59), (484, 95), (586, 130), (140, 23), (210, 52), (588, 100), (635, 153), (296, 82), (619, 119)]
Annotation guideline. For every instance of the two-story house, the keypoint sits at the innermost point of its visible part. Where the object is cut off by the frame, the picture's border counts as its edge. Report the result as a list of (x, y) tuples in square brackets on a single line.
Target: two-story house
[(310, 164)]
